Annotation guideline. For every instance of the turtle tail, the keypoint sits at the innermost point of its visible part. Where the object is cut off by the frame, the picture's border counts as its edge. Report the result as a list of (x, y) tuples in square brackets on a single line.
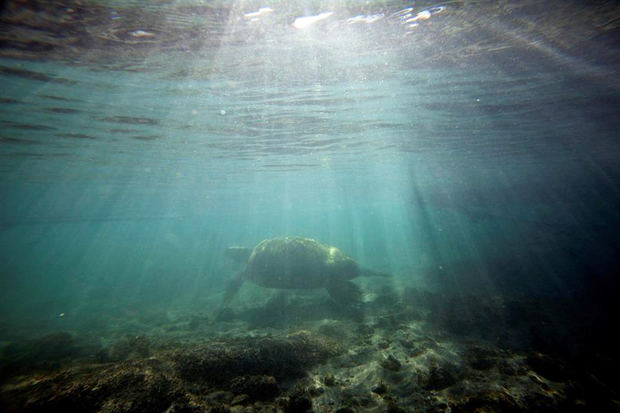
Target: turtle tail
[(366, 272)]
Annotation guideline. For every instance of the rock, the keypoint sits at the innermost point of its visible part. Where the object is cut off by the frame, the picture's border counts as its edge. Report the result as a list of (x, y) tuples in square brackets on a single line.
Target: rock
[(259, 387), (329, 380), (415, 350), (177, 379), (182, 408), (129, 348), (383, 344), (535, 379), (335, 331), (298, 403), (390, 363), (46, 353), (440, 377), (480, 358), (357, 357), (393, 408), (219, 409), (380, 389), (488, 401), (548, 367), (391, 322), (51, 346), (315, 391), (226, 314), (511, 368), (219, 396), (122, 387), (239, 399), (365, 331), (280, 357), (194, 323)]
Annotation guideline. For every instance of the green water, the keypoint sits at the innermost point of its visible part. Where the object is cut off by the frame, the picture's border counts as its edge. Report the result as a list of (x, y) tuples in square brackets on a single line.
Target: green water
[(454, 160)]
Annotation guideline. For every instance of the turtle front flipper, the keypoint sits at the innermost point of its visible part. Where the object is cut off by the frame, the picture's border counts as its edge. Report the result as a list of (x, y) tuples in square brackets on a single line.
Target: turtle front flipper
[(232, 289), (345, 292)]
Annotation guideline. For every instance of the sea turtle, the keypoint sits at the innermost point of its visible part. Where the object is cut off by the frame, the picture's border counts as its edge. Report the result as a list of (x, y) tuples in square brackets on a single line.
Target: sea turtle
[(295, 262)]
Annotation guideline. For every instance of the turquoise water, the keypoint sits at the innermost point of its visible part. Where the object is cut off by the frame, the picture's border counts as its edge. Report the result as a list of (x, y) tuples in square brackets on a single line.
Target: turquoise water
[(468, 150), (457, 152)]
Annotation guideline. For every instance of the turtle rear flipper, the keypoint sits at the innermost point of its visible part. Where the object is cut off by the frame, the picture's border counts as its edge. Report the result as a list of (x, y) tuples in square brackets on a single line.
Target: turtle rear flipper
[(367, 272), (345, 292)]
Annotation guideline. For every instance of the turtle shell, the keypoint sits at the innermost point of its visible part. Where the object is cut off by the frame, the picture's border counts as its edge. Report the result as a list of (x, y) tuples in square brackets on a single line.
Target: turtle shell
[(294, 262)]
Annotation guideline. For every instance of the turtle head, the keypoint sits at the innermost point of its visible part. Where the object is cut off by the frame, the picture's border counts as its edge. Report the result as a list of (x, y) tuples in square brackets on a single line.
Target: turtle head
[(341, 266), (345, 268), (238, 254)]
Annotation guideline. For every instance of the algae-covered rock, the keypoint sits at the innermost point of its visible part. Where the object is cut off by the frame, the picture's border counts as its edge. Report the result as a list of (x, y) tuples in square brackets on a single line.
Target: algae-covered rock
[(390, 363), (45, 353), (248, 369), (298, 402), (440, 376), (280, 357), (129, 348), (488, 401), (121, 387), (480, 358), (258, 387)]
